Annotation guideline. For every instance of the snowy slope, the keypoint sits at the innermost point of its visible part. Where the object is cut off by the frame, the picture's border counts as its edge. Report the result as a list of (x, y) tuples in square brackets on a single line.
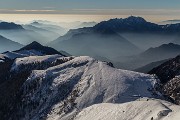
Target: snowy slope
[(136, 110), (22, 53), (60, 92)]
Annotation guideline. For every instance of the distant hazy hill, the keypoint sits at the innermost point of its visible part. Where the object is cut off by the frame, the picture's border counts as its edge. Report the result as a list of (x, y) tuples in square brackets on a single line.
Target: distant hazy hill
[(19, 34), (102, 40), (150, 66), (48, 34), (50, 27), (162, 52), (10, 26), (6, 44), (105, 44)]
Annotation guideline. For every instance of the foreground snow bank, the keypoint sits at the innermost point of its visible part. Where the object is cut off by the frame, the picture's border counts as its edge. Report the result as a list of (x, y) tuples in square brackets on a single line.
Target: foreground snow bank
[(136, 110)]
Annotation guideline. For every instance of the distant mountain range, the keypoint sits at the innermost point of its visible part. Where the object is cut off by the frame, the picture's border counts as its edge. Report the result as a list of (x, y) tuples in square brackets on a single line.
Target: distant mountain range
[(50, 27), (10, 26), (95, 44), (18, 34), (25, 34), (161, 52), (136, 24), (130, 24), (116, 39), (48, 34)]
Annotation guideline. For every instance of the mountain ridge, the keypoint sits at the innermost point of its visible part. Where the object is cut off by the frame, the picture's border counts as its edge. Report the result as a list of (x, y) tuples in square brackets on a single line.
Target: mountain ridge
[(10, 26), (162, 52)]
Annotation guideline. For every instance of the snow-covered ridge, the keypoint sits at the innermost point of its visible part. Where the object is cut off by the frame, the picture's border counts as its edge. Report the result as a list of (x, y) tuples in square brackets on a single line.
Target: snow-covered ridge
[(60, 92), (33, 59), (14, 55), (2, 57), (136, 110), (21, 54)]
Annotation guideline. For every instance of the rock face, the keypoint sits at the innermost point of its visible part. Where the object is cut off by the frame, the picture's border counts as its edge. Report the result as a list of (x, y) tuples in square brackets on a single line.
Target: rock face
[(168, 73), (167, 70), (172, 89)]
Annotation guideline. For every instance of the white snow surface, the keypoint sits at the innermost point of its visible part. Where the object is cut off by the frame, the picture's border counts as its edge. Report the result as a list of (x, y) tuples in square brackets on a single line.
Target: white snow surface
[(136, 110), (22, 53), (79, 83), (2, 56), (33, 59)]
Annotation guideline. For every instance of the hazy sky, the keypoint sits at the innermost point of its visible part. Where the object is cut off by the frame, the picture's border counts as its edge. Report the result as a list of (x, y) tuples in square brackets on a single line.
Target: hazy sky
[(90, 4), (154, 10)]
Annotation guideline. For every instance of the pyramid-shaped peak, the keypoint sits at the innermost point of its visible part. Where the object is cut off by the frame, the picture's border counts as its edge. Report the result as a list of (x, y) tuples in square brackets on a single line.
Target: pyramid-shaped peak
[(33, 45), (38, 47)]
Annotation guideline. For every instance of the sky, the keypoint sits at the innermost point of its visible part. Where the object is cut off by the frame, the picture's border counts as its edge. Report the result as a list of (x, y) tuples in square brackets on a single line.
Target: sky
[(88, 10)]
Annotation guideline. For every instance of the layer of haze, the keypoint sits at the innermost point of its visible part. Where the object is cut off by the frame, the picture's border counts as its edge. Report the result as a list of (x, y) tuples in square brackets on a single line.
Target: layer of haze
[(24, 18)]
